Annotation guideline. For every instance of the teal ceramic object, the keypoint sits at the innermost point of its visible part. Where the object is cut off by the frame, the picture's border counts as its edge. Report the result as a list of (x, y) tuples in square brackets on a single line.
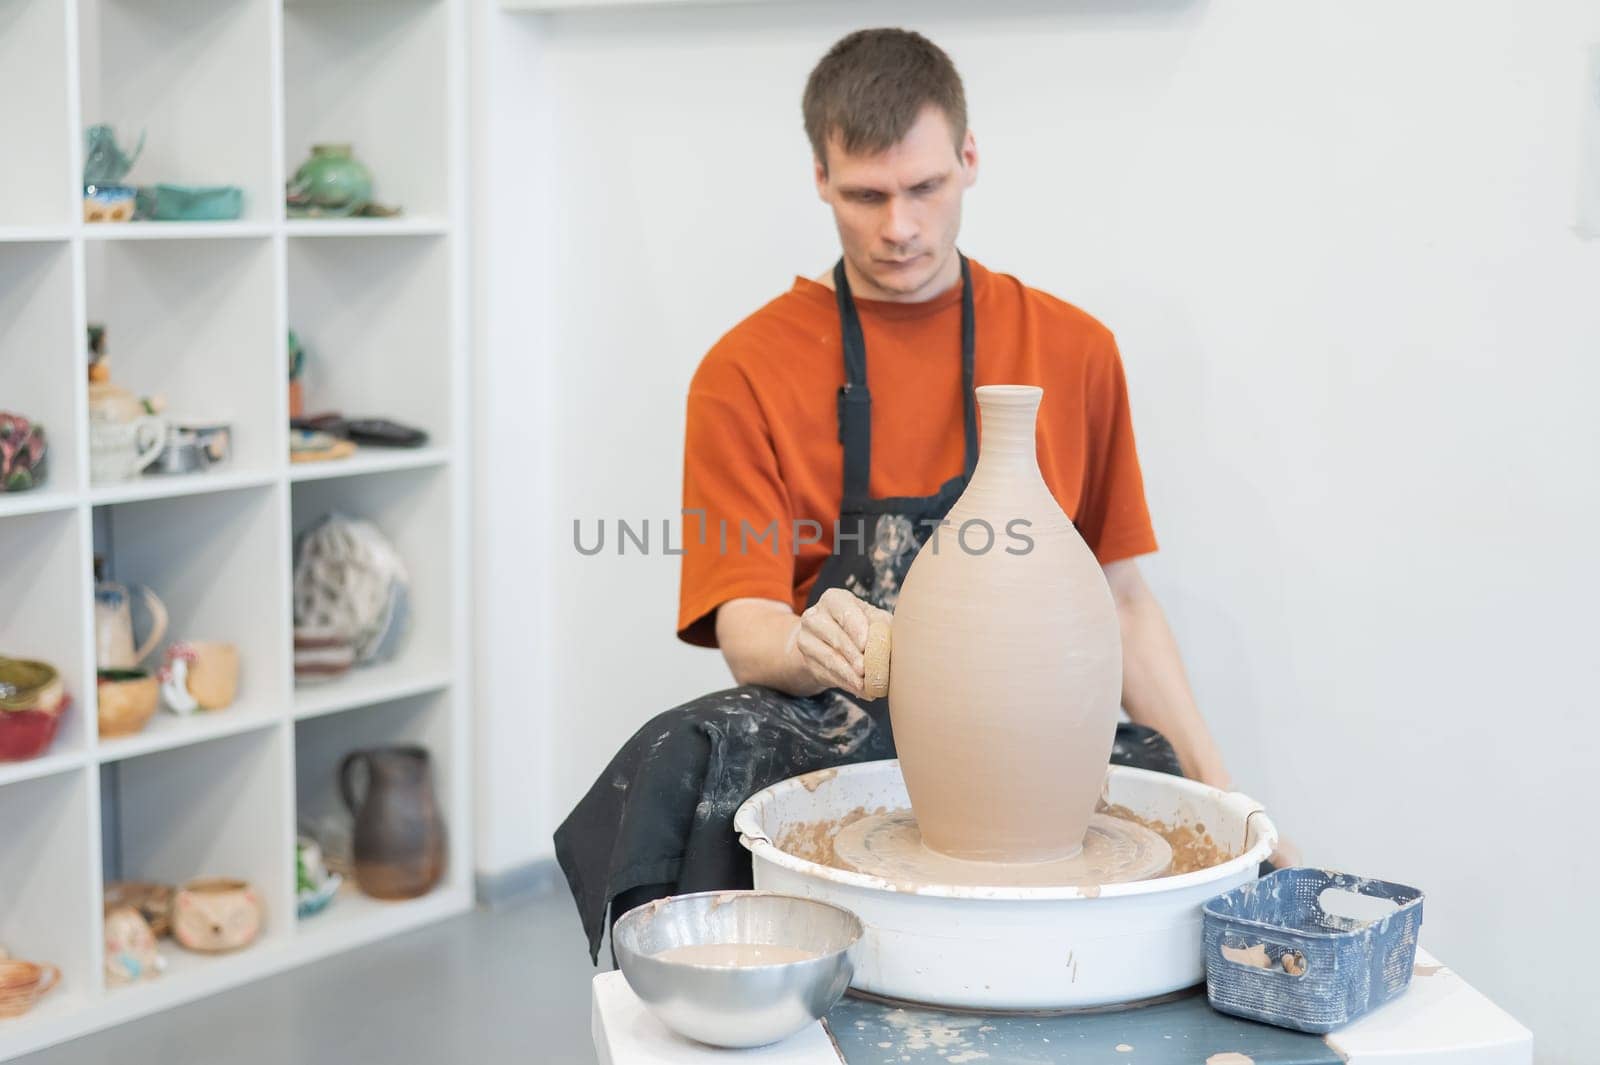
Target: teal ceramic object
[(332, 183), (190, 203), (297, 357), (103, 162)]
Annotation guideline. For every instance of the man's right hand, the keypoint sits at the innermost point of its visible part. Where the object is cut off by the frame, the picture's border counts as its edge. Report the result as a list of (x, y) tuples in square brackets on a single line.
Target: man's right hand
[(765, 643), (831, 639)]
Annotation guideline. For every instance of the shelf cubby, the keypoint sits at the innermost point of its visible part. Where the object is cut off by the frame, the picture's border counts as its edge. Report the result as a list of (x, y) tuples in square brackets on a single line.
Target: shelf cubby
[(373, 76), (42, 587), (41, 356), (47, 865), (216, 809), (323, 743), (364, 309), (215, 561), (194, 323), (412, 509), (195, 77), (35, 185)]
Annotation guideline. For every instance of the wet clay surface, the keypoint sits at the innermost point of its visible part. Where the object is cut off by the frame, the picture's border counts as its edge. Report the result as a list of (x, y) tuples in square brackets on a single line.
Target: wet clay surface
[(813, 840), (891, 846), (1192, 847)]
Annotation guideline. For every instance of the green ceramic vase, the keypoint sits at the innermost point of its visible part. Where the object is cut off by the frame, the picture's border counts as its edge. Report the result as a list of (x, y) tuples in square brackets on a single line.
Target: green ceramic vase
[(331, 183)]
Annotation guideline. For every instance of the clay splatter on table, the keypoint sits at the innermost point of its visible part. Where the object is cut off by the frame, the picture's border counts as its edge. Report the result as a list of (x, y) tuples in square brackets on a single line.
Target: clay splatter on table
[(1186, 1031)]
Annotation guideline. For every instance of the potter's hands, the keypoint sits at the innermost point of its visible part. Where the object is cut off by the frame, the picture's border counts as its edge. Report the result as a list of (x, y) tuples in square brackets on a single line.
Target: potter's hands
[(829, 640)]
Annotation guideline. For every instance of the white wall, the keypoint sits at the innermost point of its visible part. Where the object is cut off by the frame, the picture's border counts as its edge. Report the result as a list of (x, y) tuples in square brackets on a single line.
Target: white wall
[(1335, 241)]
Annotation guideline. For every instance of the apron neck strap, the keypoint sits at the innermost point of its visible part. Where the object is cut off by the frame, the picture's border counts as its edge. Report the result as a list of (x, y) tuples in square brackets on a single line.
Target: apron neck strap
[(855, 400)]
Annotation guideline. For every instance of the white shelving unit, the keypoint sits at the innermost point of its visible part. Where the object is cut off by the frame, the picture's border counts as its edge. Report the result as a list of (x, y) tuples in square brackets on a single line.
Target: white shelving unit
[(228, 91)]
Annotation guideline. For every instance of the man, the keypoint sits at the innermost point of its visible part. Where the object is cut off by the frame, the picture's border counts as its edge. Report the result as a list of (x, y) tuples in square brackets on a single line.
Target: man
[(810, 483)]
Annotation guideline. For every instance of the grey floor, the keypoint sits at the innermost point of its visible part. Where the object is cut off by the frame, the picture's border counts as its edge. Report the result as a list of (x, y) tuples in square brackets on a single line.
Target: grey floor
[(504, 985)]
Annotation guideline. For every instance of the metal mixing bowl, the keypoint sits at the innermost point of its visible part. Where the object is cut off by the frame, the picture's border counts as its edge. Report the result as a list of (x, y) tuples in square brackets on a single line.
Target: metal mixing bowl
[(744, 1006)]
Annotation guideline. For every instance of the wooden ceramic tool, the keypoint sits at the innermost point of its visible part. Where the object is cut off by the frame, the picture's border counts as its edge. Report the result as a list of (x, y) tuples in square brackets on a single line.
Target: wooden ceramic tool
[(876, 685)]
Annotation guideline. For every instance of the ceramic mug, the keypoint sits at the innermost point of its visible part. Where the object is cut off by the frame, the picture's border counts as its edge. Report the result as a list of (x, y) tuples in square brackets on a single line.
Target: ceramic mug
[(216, 915), (200, 675), (121, 450), (22, 983)]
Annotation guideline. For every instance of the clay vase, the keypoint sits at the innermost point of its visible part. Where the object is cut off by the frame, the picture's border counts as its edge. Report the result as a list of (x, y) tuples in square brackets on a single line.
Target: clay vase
[(332, 182), (398, 840), (1007, 660)]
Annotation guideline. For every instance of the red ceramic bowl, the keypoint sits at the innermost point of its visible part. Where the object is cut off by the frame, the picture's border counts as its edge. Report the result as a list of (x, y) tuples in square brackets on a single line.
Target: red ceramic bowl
[(27, 733)]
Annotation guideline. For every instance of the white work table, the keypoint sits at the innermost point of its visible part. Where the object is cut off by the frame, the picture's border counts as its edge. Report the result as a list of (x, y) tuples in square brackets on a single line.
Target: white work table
[(1439, 1020)]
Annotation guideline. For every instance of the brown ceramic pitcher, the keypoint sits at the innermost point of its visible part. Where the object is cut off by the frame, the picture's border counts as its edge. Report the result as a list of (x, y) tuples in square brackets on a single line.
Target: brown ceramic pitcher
[(399, 834)]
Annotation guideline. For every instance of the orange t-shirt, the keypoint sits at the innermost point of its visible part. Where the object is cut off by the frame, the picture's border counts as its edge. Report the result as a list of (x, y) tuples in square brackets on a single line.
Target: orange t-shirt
[(762, 442)]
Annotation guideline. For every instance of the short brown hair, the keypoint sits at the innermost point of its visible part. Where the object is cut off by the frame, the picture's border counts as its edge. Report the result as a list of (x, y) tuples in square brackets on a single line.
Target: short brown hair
[(871, 86)]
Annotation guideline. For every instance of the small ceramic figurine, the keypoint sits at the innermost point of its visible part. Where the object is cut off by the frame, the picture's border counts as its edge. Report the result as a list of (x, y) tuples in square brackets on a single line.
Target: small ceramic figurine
[(314, 886), (131, 953)]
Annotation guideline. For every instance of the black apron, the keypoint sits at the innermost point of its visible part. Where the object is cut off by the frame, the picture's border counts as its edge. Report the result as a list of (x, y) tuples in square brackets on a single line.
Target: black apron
[(659, 820)]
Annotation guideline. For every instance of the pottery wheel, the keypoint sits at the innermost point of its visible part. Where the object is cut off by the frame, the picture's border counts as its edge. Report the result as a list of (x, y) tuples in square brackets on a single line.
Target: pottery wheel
[(890, 845)]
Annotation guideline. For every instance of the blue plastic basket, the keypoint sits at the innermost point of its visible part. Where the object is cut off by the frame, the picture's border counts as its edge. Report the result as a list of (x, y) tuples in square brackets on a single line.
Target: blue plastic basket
[(1273, 954)]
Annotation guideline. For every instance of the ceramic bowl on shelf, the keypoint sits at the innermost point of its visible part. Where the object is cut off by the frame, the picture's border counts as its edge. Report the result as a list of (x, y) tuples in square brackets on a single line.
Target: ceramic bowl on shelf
[(181, 454), (193, 445), (22, 983), (216, 915), (32, 702), (26, 684), (127, 699), (26, 734), (190, 203), (214, 437)]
